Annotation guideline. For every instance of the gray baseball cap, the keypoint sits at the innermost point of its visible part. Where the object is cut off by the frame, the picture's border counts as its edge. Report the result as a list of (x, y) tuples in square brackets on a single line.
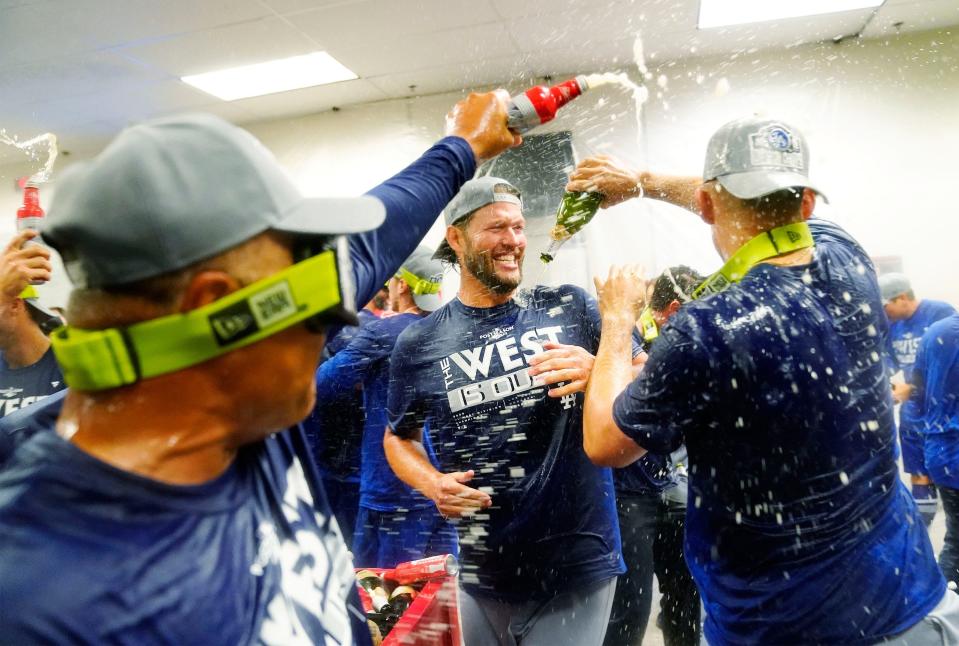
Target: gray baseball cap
[(424, 275), (753, 157), (473, 195), (171, 192), (893, 285)]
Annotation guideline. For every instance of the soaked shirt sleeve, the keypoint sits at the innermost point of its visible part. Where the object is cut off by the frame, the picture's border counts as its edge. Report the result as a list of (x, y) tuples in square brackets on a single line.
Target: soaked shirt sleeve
[(413, 198), (665, 400), (350, 366), (405, 410)]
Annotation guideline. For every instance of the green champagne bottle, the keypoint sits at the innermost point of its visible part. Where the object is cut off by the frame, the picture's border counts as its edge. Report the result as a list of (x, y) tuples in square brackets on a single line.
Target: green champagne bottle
[(575, 212)]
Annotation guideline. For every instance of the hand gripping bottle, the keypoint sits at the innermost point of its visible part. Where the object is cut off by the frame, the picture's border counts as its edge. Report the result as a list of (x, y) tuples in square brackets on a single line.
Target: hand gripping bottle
[(574, 213), (539, 104), (30, 215)]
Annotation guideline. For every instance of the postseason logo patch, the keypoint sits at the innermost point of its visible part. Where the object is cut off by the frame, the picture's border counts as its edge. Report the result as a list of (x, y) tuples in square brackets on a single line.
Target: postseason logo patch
[(249, 316), (775, 145)]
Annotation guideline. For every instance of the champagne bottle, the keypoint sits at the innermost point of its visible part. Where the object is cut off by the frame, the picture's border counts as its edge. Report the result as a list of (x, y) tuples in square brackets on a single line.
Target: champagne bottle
[(575, 212)]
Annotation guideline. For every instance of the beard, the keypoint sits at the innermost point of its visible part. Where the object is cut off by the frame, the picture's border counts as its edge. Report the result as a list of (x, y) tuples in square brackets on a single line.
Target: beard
[(483, 268)]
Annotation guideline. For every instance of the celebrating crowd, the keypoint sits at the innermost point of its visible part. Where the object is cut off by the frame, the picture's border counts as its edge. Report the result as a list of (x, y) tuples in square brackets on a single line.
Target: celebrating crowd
[(233, 426)]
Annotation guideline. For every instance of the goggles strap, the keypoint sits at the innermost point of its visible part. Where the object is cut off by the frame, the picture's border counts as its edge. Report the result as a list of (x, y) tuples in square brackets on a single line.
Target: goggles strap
[(769, 244), (101, 359)]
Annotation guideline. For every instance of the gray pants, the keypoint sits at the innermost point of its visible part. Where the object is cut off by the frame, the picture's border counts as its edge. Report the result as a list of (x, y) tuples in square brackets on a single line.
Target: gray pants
[(939, 628), (575, 618)]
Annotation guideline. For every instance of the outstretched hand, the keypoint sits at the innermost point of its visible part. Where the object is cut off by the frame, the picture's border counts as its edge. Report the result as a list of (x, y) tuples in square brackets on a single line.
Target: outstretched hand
[(622, 294), (454, 499)]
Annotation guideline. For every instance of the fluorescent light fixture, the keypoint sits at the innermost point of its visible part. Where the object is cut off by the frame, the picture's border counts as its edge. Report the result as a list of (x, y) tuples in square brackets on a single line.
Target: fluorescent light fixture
[(722, 13), (318, 68)]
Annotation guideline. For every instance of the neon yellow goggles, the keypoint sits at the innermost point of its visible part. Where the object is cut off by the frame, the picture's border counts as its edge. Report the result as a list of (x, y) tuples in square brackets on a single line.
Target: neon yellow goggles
[(317, 290), (647, 325), (417, 285), (772, 243)]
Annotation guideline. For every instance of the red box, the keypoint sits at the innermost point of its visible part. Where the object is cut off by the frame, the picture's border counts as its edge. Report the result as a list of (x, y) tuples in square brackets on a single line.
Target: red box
[(432, 619)]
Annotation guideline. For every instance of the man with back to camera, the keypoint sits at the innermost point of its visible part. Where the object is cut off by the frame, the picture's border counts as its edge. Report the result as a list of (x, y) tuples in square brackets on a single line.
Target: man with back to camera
[(651, 507), (799, 529), (909, 319), (935, 401), (166, 506), (539, 541), (395, 523), (28, 369)]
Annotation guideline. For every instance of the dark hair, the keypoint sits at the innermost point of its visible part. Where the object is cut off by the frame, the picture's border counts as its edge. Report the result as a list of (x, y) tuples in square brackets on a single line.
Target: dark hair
[(777, 205), (444, 253), (674, 284)]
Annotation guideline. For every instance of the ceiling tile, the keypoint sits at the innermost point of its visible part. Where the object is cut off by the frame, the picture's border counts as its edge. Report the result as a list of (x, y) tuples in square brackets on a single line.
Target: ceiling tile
[(87, 74), (296, 6), (914, 16), (214, 49), (377, 22), (88, 25), (405, 54)]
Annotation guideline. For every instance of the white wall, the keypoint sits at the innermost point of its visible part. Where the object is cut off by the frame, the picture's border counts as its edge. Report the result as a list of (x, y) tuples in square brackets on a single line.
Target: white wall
[(880, 118)]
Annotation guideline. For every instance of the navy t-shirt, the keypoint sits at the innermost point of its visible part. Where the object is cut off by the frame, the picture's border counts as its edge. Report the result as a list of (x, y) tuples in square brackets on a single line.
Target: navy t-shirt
[(798, 528), (93, 554), (335, 427), (905, 335), (20, 387), (462, 374), (936, 399), (366, 360)]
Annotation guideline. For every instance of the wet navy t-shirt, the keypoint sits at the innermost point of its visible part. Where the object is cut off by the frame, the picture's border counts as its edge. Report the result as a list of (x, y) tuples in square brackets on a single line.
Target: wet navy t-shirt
[(936, 399), (20, 387), (462, 373), (367, 360), (798, 528)]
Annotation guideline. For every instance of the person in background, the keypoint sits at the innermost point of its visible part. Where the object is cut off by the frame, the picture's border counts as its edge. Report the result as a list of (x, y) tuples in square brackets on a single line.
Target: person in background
[(539, 541), (334, 427), (395, 522), (651, 505), (174, 506), (28, 369), (935, 402), (799, 529), (909, 319)]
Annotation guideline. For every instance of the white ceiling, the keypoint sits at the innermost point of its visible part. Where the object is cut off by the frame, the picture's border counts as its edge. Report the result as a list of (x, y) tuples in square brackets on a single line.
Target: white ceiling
[(85, 68)]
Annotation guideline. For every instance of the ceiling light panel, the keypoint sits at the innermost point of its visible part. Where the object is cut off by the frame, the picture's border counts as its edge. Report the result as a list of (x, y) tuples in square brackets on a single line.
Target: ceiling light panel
[(281, 75)]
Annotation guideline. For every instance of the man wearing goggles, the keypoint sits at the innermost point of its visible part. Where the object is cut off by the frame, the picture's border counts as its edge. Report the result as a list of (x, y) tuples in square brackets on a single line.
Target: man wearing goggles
[(174, 501)]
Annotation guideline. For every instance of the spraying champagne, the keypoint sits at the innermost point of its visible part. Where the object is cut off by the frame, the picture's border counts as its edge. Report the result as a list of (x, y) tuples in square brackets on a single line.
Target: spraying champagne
[(540, 104)]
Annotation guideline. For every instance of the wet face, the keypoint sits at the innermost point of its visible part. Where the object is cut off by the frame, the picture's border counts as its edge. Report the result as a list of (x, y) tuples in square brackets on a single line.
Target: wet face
[(272, 382), (898, 308), (494, 246)]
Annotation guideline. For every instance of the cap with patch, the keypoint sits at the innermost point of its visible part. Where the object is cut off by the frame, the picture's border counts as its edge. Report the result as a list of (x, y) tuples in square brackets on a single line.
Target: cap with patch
[(754, 157), (473, 195), (893, 285), (168, 193), (424, 275)]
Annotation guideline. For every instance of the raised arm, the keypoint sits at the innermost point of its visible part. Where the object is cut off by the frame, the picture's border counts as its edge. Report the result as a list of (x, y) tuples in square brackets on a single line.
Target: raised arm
[(603, 174), (414, 197), (621, 298)]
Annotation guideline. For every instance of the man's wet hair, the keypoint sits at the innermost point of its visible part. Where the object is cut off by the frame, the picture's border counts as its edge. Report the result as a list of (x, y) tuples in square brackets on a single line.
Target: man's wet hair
[(674, 284), (445, 253)]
